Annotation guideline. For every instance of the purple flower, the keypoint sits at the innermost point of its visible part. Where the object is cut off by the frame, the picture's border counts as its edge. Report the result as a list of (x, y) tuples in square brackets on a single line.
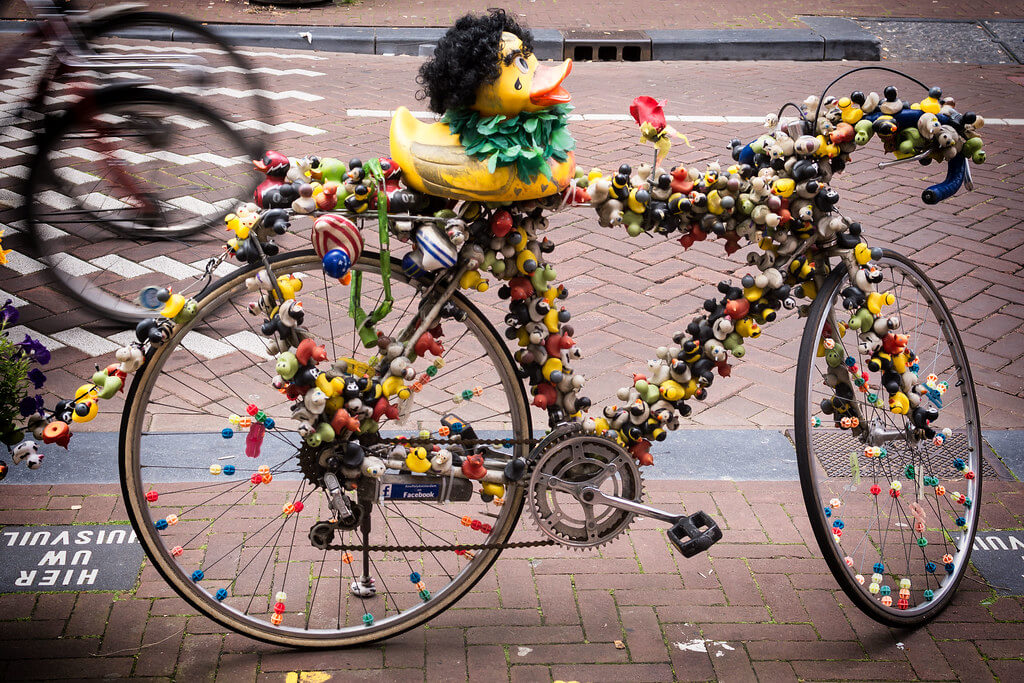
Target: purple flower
[(35, 350), (31, 404), (36, 376), (8, 313)]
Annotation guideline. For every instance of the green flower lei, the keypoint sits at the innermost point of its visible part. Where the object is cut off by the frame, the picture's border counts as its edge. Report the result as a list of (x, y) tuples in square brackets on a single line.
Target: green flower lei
[(527, 140)]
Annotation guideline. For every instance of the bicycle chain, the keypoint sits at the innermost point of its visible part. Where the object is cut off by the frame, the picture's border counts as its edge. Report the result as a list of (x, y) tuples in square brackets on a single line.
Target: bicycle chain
[(439, 548), (444, 548)]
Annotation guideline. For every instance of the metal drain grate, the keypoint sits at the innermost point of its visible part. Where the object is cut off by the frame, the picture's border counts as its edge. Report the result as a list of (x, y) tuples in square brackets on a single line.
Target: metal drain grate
[(833, 448), (583, 45)]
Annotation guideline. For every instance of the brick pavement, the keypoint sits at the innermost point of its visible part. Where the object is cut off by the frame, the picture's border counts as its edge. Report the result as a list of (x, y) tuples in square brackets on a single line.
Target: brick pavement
[(763, 592), (563, 14), (759, 606), (973, 244)]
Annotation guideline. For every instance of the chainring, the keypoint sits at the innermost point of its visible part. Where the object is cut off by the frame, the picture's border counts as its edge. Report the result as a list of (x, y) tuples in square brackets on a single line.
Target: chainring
[(578, 458)]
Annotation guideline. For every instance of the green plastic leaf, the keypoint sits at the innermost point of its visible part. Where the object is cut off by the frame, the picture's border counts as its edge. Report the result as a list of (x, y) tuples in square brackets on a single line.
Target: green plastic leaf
[(492, 162), (530, 125)]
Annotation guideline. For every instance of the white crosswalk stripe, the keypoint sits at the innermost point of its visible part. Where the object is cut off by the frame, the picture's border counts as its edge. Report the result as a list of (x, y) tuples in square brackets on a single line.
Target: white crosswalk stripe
[(18, 332), (72, 265), (17, 302), (10, 200), (85, 341), (249, 341), (220, 271), (207, 347), (119, 265), (175, 269), (212, 51), (22, 264)]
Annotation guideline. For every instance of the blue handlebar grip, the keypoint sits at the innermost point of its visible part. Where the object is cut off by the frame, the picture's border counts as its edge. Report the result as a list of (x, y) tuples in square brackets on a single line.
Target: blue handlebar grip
[(947, 188)]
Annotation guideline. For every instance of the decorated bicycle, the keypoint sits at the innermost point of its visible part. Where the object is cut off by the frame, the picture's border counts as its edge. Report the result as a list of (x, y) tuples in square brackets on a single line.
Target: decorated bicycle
[(366, 440)]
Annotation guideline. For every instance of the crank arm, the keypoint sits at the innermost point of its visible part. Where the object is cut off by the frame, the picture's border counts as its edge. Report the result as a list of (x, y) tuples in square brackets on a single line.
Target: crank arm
[(591, 495)]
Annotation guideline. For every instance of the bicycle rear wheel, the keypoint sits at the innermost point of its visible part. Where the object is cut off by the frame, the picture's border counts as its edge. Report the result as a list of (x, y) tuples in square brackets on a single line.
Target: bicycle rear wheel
[(132, 163), (894, 512), (234, 532)]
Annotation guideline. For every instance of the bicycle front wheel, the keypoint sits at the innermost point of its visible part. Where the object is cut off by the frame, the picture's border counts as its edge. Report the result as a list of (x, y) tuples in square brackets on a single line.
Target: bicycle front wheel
[(894, 506), (225, 544), (131, 163)]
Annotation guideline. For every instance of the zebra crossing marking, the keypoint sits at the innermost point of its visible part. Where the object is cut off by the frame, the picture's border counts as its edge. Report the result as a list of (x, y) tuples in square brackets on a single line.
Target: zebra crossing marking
[(72, 265), (119, 265), (205, 346), (250, 342), (23, 265), (85, 341), (175, 269), (16, 301), (20, 331)]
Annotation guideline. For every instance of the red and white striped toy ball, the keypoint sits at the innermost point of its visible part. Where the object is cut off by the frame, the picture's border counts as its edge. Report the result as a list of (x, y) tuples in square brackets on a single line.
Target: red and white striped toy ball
[(332, 231)]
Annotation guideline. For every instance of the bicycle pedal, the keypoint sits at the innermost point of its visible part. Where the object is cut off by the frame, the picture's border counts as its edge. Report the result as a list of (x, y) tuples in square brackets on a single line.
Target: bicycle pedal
[(694, 534)]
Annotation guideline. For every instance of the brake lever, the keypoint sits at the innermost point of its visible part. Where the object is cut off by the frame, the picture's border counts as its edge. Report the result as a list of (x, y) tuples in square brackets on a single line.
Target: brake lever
[(893, 162)]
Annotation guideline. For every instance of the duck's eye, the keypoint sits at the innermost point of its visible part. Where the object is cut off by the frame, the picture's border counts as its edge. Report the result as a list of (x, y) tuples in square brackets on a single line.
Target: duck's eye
[(521, 64)]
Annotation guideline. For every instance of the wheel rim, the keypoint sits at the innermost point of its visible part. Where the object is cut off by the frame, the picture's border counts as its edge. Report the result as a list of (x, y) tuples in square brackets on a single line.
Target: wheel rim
[(84, 212), (250, 601), (876, 528)]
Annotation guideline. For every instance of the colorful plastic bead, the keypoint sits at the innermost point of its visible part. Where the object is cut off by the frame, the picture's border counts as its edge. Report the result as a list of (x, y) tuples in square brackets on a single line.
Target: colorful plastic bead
[(216, 469), (227, 432), (281, 596), (424, 594), (947, 558), (848, 560), (887, 600), (267, 478), (252, 409), (467, 521), (443, 430), (903, 603), (368, 619), (835, 503), (815, 421), (151, 496), (873, 588), (256, 478), (299, 506), (875, 489), (177, 550), (415, 577), (279, 608), (198, 575), (161, 524), (221, 594), (269, 423), (929, 594), (930, 567), (859, 578), (879, 568), (922, 542), (288, 509), (260, 416), (886, 590), (467, 394), (940, 490), (276, 619), (346, 557), (229, 469), (828, 512), (172, 519)]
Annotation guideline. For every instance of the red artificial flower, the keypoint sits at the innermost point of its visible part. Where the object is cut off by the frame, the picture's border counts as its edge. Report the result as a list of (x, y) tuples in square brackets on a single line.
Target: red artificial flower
[(646, 109)]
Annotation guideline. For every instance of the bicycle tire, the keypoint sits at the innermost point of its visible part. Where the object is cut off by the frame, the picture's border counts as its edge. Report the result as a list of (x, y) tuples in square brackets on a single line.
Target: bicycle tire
[(132, 451), (825, 480), (123, 23), (60, 184)]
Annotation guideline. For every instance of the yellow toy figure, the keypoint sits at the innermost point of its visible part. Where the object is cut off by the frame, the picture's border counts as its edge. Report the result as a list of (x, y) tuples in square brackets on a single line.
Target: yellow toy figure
[(486, 81)]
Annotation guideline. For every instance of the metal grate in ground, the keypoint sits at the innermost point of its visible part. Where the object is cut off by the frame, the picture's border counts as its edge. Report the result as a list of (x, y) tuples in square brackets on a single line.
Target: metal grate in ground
[(833, 448)]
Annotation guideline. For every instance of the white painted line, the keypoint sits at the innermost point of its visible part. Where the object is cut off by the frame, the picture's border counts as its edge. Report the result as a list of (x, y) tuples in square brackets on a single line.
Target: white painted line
[(300, 128), (18, 332), (83, 153), (74, 176), (120, 266), (17, 302), (193, 205), (249, 341), (10, 200), (22, 264), (123, 338), (207, 347), (221, 161), (83, 340), (72, 265), (221, 270), (56, 200), (101, 202), (175, 269), (48, 232), (17, 171), (173, 158), (202, 50), (130, 156)]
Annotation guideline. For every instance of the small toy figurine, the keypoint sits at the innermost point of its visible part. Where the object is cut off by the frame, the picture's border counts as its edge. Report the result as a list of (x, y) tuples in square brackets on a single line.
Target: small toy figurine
[(484, 67)]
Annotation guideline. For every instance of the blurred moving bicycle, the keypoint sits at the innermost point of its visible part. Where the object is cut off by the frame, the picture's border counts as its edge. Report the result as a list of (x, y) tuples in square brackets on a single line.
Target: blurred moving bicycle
[(138, 121)]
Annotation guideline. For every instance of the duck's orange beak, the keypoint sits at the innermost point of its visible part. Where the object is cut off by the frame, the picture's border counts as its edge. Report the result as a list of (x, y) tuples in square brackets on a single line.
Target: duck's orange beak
[(547, 89), (259, 165)]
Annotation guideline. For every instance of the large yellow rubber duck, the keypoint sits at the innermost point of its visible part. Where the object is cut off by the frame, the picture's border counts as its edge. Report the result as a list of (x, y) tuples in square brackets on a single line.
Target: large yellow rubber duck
[(433, 159)]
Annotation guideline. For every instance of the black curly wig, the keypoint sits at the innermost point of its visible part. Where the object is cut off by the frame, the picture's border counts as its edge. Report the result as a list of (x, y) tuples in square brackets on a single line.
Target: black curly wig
[(466, 58)]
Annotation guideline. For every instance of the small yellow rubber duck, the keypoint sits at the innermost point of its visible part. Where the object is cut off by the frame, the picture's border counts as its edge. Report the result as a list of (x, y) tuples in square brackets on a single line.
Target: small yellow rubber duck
[(433, 159), (417, 460)]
